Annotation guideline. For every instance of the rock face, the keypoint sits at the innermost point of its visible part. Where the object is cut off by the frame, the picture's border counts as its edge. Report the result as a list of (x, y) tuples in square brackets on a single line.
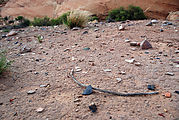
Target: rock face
[(173, 16), (53, 8)]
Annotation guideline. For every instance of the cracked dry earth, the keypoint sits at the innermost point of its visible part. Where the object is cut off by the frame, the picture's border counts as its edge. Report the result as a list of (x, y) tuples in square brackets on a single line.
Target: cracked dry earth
[(50, 62)]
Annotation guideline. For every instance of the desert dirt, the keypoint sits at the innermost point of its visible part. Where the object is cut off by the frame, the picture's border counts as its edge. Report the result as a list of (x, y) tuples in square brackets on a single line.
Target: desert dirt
[(50, 62)]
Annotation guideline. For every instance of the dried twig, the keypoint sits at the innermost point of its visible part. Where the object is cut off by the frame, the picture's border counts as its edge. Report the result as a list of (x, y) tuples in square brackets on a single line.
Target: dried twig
[(110, 92)]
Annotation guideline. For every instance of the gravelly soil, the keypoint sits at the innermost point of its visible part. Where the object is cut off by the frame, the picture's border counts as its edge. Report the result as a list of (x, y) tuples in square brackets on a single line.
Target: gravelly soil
[(62, 49)]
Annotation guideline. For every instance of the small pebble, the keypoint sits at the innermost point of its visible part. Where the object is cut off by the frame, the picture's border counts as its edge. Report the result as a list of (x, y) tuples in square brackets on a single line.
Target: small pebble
[(87, 48), (161, 30), (133, 49), (151, 87), (168, 95), (107, 70), (122, 72), (149, 24), (130, 61), (93, 107), (170, 74), (177, 92), (119, 80), (31, 92), (137, 64), (177, 51), (43, 86), (127, 40), (40, 110)]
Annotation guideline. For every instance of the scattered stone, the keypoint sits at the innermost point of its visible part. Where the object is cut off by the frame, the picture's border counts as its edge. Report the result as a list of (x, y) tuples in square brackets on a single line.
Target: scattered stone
[(121, 27), (16, 42), (151, 87), (87, 48), (165, 110), (1, 103), (46, 73), (88, 90), (177, 51), (137, 63), (122, 73), (168, 95), (133, 49), (167, 23), (161, 114), (165, 55), (43, 86), (154, 21), (149, 24), (76, 110), (130, 61), (107, 70), (93, 107), (31, 92), (94, 22), (85, 32), (40, 110), (177, 66), (78, 69), (134, 44), (75, 28), (97, 29), (161, 30), (176, 61), (15, 114), (36, 73), (11, 33), (76, 100), (160, 52), (177, 92), (72, 58), (67, 49), (3, 36), (145, 45), (146, 52), (25, 49), (127, 40), (118, 80), (170, 74)]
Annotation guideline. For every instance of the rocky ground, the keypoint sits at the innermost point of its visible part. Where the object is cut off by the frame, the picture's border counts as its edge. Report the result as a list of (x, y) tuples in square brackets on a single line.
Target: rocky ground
[(38, 85)]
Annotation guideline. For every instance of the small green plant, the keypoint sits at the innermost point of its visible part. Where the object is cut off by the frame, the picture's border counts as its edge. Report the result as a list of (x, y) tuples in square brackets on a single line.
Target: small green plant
[(121, 14), (4, 63), (63, 18), (19, 18), (136, 13), (6, 30), (76, 19), (92, 18), (25, 23), (40, 38), (41, 21)]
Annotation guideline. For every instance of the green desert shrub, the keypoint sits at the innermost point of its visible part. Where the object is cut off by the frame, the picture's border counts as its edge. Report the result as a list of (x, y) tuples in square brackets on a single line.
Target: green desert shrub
[(76, 19), (19, 18), (25, 23), (4, 63), (46, 21), (60, 20), (121, 14), (136, 13), (92, 18), (41, 21)]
